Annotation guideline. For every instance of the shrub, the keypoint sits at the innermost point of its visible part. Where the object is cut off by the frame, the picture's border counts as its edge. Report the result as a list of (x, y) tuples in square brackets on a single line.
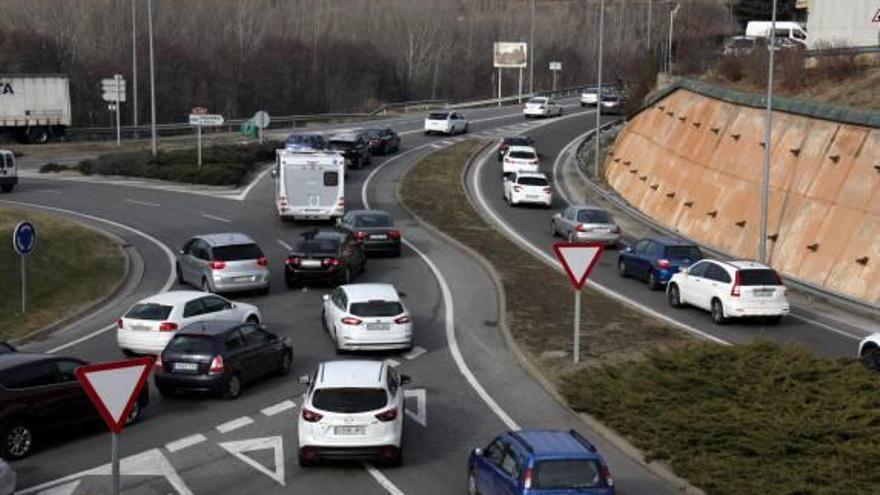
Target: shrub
[(53, 167)]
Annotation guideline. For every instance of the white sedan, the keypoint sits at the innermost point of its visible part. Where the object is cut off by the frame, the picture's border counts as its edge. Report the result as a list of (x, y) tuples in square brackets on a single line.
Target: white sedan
[(148, 326), (519, 159), (362, 317), (445, 123), (541, 106), (528, 187)]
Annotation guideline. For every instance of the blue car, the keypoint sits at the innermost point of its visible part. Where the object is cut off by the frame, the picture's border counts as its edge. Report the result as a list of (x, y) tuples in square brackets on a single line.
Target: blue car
[(539, 462), (306, 140), (655, 260)]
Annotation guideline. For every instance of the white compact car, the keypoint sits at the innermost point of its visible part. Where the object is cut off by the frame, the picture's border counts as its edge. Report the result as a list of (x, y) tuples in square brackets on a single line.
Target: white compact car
[(353, 410), (541, 106), (147, 326), (528, 187), (730, 289), (519, 159), (362, 317), (869, 351), (445, 123)]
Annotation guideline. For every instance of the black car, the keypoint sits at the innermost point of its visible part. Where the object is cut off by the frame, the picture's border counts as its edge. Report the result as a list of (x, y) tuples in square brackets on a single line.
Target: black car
[(40, 395), (354, 146), (220, 357), (383, 141), (325, 256), (513, 141), (374, 229)]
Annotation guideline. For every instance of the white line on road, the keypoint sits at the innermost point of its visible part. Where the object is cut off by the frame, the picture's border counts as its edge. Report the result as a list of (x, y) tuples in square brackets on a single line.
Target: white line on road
[(234, 424), (144, 203), (392, 362), (278, 408), (219, 219), (284, 244), (414, 353), (185, 442), (383, 481), (48, 191), (436, 146)]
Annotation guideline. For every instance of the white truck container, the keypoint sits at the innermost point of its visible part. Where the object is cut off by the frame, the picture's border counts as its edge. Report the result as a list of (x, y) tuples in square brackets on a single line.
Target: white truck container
[(309, 184), (34, 108)]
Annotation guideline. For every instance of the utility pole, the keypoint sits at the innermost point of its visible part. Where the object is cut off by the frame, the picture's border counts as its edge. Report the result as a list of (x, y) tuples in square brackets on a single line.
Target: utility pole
[(599, 89), (650, 5), (671, 26), (532, 53), (152, 78), (134, 63), (765, 180)]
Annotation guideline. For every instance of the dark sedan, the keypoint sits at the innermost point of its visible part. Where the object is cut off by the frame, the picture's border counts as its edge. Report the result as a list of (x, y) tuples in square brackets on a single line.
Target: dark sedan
[(374, 229), (383, 141), (513, 141), (325, 257), (353, 146), (220, 357)]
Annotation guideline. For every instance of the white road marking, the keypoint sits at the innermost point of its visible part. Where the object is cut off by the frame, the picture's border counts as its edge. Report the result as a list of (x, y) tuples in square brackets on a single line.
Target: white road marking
[(234, 424), (447, 142), (144, 203), (420, 415), (48, 191), (185, 442), (278, 408), (414, 353), (247, 190), (238, 448), (436, 146), (392, 362), (383, 481), (67, 489), (214, 217), (284, 244)]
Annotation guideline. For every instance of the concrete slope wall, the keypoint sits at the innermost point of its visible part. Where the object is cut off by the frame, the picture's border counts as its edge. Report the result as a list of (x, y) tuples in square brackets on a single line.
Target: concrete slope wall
[(694, 163)]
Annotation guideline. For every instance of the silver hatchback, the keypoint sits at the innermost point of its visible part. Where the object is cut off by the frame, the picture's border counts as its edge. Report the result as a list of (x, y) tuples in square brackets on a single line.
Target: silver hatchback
[(585, 224), (223, 263)]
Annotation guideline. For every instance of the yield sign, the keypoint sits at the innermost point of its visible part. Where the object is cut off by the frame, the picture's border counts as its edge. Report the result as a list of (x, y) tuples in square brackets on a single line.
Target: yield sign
[(578, 260), (114, 387)]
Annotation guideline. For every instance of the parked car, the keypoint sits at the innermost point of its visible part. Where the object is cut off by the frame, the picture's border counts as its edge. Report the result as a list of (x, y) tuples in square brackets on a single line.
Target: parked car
[(353, 410), (8, 172), (445, 123), (150, 324), (223, 263), (730, 289), (542, 106), (374, 229), (325, 256), (656, 260), (528, 187), (39, 395), (585, 224), (869, 351), (220, 357), (383, 140), (354, 147), (306, 140), (539, 461), (364, 317), (520, 159), (509, 141)]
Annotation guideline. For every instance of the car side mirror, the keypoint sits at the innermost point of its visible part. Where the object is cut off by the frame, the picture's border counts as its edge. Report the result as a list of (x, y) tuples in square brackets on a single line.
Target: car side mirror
[(274, 172), (684, 270), (326, 297), (478, 452), (405, 379), (181, 251), (304, 380)]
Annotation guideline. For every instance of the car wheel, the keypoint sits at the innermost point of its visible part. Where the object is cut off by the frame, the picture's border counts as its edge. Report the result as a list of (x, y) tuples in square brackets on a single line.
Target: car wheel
[(465, 129), (165, 391), (135, 414), (718, 312), (18, 439), (129, 353), (870, 357), (180, 279), (263, 292), (233, 387), (253, 320), (621, 268), (653, 284), (345, 279), (774, 320), (290, 282), (397, 252), (571, 238), (7, 188), (674, 296), (397, 459), (206, 287), (286, 361), (305, 461), (472, 482)]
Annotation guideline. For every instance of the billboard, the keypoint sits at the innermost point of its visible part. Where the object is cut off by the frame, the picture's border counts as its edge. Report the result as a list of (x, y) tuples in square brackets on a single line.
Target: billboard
[(510, 55)]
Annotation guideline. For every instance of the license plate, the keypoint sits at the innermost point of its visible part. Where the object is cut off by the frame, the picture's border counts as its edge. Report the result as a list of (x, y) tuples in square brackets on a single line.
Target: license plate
[(311, 263), (378, 326), (378, 237), (532, 196), (349, 430), (140, 328), (186, 366), (763, 292), (244, 279)]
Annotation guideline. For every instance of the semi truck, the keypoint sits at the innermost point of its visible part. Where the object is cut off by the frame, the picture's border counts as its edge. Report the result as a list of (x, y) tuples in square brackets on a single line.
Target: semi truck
[(34, 108)]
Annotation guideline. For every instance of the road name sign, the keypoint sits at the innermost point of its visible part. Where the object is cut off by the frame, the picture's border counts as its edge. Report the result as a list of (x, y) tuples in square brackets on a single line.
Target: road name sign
[(578, 260), (113, 89), (115, 387), (206, 120)]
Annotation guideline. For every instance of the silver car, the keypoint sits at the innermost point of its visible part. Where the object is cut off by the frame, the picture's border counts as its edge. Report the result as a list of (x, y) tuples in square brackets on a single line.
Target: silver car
[(223, 263), (585, 224)]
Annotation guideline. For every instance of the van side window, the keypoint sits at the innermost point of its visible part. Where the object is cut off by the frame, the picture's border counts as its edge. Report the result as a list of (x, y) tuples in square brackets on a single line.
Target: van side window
[(331, 178)]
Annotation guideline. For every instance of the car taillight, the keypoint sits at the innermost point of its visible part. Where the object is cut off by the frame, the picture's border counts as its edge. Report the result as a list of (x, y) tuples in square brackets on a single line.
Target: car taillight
[(533, 162), (119, 323), (581, 228), (262, 261), (167, 326), (331, 262), (282, 201), (527, 479), (293, 260), (394, 234), (664, 264), (606, 473), (348, 320), (389, 415), (311, 416), (360, 235), (734, 291), (340, 203), (218, 265), (402, 320), (216, 365)]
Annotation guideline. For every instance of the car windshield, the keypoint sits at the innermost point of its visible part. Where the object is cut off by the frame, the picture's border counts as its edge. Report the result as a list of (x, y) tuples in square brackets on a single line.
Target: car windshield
[(342, 145), (373, 133), (437, 116), (191, 344), (376, 308), (759, 277), (349, 400), (522, 155), (373, 220), (593, 216), (683, 252), (237, 252), (149, 311), (318, 246), (567, 474), (532, 181)]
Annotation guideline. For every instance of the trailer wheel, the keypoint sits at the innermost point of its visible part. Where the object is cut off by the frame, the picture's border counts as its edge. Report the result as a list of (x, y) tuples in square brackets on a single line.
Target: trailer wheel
[(38, 135)]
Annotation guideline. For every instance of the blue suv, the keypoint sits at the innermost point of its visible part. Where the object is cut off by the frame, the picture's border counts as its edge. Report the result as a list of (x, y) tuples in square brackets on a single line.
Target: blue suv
[(656, 260), (539, 462)]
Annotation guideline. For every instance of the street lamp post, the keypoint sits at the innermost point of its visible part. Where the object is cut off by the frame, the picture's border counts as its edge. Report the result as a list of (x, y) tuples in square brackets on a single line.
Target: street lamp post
[(134, 72), (650, 5), (765, 179), (599, 89), (669, 44), (152, 78), (532, 53)]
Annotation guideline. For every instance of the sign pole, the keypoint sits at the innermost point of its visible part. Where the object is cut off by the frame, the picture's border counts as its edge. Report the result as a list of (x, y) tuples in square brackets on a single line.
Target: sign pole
[(499, 86), (577, 326), (114, 461), (117, 77), (519, 96), (199, 139), (23, 283), (554, 80)]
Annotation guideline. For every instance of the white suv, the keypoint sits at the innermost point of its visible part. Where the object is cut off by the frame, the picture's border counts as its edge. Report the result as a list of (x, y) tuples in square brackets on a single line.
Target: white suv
[(528, 187), (520, 159), (367, 317), (730, 289), (445, 123), (353, 410)]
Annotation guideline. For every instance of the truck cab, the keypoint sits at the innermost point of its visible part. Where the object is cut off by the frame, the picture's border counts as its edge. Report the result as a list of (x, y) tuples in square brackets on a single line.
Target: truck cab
[(8, 172)]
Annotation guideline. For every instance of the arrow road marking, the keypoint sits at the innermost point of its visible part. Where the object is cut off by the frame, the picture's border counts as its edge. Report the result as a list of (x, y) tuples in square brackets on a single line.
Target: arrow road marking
[(238, 448), (421, 414)]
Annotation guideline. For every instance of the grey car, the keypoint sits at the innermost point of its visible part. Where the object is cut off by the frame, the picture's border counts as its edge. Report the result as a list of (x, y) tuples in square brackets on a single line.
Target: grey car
[(223, 263), (585, 224)]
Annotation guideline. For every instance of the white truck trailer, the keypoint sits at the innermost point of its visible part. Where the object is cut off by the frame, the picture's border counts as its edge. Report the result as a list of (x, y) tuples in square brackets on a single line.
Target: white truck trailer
[(309, 184), (34, 108)]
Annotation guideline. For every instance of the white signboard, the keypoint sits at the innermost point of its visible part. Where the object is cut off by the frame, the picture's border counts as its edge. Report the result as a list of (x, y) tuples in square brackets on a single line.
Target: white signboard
[(510, 54), (206, 120), (113, 88), (555, 65)]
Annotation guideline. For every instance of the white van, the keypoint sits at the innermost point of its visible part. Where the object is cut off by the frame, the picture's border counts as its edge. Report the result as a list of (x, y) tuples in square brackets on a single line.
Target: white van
[(785, 29), (8, 172), (309, 184)]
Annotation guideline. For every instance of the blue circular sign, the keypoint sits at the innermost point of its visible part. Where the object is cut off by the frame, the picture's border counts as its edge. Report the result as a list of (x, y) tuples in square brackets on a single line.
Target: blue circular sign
[(24, 238)]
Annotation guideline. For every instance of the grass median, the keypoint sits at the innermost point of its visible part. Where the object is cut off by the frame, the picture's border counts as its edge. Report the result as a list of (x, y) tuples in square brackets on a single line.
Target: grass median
[(71, 268)]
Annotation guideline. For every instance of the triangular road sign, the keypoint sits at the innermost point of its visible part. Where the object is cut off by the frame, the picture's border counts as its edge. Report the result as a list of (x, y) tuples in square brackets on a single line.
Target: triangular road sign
[(578, 259), (114, 387), (876, 17), (238, 448)]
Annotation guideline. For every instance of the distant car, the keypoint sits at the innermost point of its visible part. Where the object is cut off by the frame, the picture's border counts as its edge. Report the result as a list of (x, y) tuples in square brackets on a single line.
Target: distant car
[(741, 45), (306, 140), (509, 141), (589, 96), (869, 352), (585, 224), (40, 395), (220, 357), (8, 172), (325, 257), (730, 289), (520, 159), (7, 479), (374, 229), (445, 123), (354, 147), (656, 260), (539, 461), (528, 187), (383, 140), (612, 103), (542, 106), (150, 324), (223, 263), (364, 317), (352, 411)]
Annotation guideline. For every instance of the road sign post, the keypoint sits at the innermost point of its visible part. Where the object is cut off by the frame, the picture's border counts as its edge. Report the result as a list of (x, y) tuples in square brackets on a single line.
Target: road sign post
[(24, 240), (261, 120), (200, 117), (578, 261), (554, 68), (114, 91)]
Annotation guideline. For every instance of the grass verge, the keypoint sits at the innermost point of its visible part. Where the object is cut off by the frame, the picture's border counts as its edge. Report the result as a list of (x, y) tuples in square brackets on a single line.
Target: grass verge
[(72, 267)]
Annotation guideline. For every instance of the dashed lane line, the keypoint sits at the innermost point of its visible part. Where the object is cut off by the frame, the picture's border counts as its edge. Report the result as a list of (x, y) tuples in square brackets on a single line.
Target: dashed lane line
[(436, 146), (214, 217), (185, 442), (383, 481), (142, 203), (234, 424), (414, 353), (284, 244), (278, 408)]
